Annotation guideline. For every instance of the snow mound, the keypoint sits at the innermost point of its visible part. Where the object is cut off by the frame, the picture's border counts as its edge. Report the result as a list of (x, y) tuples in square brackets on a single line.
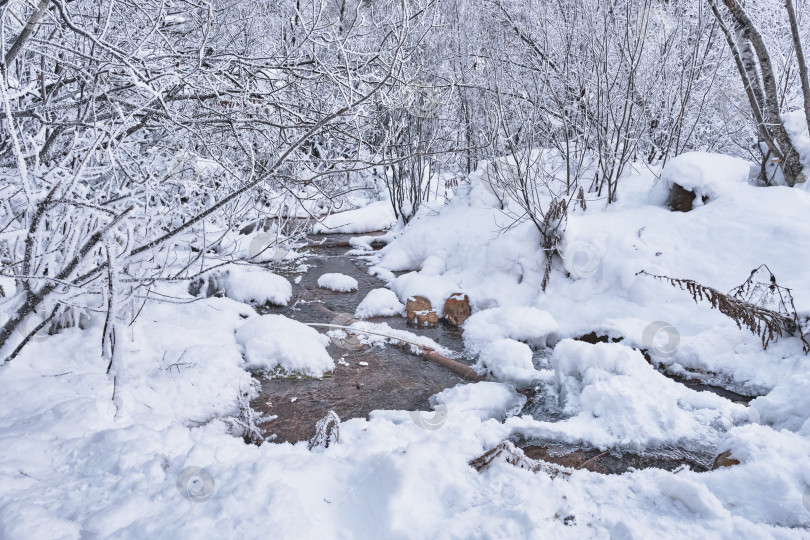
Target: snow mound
[(483, 400), (787, 406), (508, 360), (257, 285), (379, 303), (520, 323), (274, 341), (374, 217), (706, 174), (617, 399), (337, 282)]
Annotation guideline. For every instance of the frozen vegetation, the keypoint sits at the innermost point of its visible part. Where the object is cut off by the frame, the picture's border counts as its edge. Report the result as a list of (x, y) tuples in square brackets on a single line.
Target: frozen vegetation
[(595, 215)]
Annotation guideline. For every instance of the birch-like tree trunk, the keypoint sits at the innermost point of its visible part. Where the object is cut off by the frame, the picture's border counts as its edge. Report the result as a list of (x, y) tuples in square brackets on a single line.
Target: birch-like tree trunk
[(749, 34)]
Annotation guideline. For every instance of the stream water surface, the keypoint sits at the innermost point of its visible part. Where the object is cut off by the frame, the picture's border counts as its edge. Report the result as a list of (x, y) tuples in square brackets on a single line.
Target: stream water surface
[(370, 378)]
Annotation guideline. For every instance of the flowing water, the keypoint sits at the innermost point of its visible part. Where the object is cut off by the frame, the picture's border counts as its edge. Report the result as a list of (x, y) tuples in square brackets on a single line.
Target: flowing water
[(365, 378), (370, 378)]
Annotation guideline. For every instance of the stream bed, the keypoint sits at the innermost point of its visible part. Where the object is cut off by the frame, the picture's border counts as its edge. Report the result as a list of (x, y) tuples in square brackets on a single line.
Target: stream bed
[(368, 378)]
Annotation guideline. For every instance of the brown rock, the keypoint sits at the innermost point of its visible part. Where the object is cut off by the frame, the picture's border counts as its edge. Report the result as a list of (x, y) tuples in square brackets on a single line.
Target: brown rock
[(427, 318), (680, 199), (724, 460), (593, 338), (416, 304), (457, 309)]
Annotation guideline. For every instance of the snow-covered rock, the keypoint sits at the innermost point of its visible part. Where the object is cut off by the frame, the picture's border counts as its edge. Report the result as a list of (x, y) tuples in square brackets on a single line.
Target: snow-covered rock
[(508, 360), (337, 282), (706, 174), (482, 399), (274, 341), (379, 303), (531, 325), (256, 285)]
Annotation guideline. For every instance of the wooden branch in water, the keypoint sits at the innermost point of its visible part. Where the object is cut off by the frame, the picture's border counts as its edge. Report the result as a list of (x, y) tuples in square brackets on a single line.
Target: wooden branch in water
[(455, 366)]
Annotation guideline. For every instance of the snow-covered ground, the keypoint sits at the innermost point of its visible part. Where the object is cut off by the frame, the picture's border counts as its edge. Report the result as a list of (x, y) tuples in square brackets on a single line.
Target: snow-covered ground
[(155, 456)]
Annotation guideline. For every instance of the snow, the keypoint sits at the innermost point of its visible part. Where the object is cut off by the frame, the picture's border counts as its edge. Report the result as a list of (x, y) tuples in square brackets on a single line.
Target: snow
[(508, 360), (381, 333), (374, 217), (337, 282), (379, 303), (616, 399), (76, 463), (483, 400), (256, 285), (706, 174), (787, 406), (527, 324), (274, 341)]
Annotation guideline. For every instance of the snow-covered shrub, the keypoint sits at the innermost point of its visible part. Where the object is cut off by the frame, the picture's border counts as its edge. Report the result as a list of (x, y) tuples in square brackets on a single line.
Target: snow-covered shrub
[(246, 422)]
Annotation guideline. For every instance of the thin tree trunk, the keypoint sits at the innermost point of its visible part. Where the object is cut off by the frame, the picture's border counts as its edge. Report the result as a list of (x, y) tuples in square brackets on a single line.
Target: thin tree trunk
[(791, 164), (797, 46), (27, 30), (754, 101)]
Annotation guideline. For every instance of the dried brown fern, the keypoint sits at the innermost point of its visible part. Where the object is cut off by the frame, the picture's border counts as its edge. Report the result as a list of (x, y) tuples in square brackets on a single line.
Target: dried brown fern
[(768, 324), (581, 199), (550, 228)]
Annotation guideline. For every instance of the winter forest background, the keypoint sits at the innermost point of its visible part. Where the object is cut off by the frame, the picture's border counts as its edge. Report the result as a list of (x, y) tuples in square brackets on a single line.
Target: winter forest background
[(145, 146)]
